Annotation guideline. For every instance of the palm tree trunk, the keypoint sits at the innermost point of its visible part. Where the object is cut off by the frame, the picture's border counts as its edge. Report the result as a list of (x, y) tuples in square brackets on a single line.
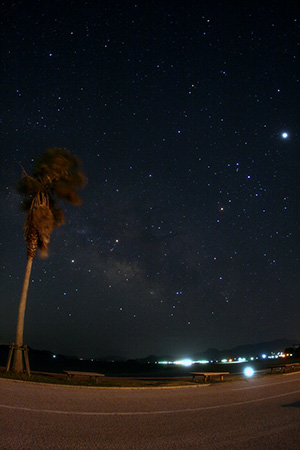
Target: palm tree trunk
[(18, 357)]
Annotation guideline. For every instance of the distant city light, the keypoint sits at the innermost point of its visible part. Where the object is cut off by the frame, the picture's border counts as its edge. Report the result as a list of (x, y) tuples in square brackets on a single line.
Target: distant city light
[(53, 356), (184, 362), (249, 372)]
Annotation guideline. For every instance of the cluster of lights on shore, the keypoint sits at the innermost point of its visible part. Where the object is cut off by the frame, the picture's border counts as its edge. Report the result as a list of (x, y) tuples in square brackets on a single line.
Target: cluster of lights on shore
[(248, 371), (188, 362)]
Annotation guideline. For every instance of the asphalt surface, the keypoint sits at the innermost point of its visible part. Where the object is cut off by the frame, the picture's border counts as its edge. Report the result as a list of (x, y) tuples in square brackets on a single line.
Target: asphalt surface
[(260, 413)]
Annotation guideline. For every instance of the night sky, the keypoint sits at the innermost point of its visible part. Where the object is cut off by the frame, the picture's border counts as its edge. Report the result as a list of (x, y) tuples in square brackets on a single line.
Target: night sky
[(185, 115)]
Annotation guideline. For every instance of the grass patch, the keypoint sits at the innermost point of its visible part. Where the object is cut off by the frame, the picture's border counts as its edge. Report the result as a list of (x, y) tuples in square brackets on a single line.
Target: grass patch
[(103, 382)]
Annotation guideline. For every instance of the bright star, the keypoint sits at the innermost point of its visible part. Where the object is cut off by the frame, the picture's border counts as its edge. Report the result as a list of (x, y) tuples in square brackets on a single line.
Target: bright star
[(284, 135)]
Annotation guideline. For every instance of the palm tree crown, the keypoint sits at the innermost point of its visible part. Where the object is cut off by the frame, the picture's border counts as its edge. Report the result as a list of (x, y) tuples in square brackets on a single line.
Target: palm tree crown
[(57, 175)]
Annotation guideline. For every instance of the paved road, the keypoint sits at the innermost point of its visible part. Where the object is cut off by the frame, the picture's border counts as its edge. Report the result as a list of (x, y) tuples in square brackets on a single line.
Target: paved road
[(262, 413)]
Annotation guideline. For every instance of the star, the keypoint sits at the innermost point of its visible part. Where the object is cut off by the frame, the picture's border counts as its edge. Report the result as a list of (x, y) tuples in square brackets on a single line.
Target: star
[(284, 135)]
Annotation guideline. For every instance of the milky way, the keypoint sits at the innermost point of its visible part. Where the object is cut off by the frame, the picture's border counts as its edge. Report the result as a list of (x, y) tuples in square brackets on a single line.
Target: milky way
[(186, 118)]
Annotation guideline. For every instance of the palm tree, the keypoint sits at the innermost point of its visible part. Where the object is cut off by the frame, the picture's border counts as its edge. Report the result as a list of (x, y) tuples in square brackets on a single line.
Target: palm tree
[(57, 175)]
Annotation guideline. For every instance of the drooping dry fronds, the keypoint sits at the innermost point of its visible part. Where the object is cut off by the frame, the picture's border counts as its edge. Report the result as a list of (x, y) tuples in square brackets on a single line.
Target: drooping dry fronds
[(39, 224)]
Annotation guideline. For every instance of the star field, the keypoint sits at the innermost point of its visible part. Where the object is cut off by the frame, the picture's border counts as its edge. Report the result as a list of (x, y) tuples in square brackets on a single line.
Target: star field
[(186, 118)]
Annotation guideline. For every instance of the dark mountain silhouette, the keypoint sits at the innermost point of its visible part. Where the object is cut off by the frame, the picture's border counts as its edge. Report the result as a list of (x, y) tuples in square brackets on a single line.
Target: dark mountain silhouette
[(246, 351)]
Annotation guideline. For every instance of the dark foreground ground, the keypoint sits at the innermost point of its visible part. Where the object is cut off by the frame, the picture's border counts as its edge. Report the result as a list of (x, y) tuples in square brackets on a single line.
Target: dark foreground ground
[(254, 414)]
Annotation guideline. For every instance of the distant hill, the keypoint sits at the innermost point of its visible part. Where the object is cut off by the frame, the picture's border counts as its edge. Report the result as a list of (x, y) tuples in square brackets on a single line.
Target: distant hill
[(111, 358), (246, 351)]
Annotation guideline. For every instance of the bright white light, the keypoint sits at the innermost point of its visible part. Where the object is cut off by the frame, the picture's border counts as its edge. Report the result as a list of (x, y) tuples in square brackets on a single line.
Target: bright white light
[(263, 356), (185, 362), (249, 372), (53, 356), (284, 135)]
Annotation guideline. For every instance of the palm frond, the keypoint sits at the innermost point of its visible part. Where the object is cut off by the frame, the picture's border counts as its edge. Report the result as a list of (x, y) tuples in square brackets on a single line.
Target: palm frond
[(29, 186)]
